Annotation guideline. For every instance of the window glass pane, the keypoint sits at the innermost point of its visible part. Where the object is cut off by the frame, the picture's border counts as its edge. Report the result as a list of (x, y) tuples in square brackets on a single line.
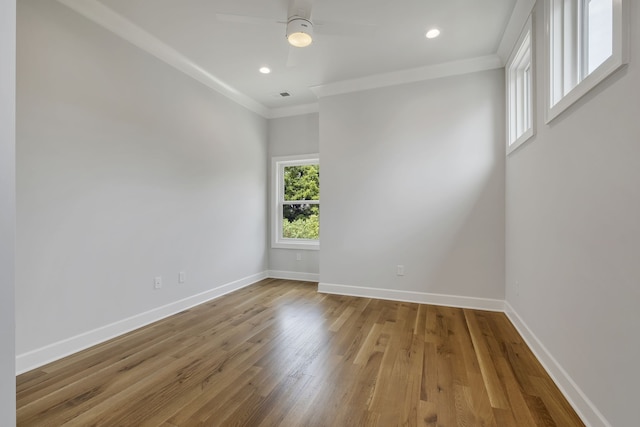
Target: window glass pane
[(557, 46), (520, 91), (600, 32), (520, 105), (302, 182), (527, 97), (301, 221)]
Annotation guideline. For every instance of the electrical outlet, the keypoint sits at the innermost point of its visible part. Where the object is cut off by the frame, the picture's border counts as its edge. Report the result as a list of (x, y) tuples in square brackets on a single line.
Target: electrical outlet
[(182, 277), (157, 282), (400, 270), (298, 256)]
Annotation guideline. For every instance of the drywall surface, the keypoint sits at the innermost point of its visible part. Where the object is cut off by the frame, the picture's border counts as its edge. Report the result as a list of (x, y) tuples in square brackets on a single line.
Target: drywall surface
[(7, 211), (413, 175), (126, 170), (291, 136), (573, 235)]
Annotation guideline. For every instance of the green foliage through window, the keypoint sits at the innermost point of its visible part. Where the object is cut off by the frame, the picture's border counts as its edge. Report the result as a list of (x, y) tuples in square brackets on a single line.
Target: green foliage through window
[(302, 228), (301, 220)]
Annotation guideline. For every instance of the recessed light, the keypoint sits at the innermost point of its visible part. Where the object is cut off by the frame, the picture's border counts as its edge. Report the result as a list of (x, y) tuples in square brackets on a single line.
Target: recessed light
[(433, 33), (265, 70)]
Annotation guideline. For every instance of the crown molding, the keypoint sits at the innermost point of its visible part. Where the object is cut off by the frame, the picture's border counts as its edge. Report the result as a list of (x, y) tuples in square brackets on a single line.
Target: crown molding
[(411, 75), (519, 16), (294, 110), (122, 27)]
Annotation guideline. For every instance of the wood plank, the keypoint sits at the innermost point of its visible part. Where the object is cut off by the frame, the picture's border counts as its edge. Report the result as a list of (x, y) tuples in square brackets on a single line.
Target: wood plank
[(559, 409), (494, 387), (277, 353)]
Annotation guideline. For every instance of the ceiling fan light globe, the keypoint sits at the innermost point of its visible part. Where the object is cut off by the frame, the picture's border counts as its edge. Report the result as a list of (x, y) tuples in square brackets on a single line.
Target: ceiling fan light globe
[(299, 39), (299, 32)]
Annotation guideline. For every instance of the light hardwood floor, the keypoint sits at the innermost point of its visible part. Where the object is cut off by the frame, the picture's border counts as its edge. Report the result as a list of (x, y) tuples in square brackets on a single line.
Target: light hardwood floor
[(277, 353)]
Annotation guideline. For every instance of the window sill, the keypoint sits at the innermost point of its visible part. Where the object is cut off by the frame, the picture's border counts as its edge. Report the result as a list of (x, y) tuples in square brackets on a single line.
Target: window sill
[(607, 68), (520, 141), (308, 245)]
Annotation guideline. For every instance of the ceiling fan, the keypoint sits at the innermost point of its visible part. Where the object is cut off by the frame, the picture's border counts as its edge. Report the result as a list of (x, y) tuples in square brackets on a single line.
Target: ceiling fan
[(299, 28)]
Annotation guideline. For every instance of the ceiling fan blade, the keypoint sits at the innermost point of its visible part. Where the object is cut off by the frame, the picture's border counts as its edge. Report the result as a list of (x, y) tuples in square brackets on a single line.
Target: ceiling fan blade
[(243, 19), (293, 58), (343, 29)]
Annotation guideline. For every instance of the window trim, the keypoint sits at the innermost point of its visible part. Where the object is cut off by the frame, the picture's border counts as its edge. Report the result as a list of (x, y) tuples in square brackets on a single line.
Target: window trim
[(618, 58), (277, 190), (515, 71)]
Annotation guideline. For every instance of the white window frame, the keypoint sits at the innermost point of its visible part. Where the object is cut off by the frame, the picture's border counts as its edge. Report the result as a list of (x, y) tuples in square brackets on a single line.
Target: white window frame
[(277, 196), (520, 80), (565, 45)]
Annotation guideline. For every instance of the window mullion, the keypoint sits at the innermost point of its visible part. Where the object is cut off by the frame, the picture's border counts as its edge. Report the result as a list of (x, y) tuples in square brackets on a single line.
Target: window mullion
[(301, 202)]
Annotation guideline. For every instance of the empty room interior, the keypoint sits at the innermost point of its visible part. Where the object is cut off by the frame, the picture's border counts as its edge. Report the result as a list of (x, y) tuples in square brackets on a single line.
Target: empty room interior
[(164, 164)]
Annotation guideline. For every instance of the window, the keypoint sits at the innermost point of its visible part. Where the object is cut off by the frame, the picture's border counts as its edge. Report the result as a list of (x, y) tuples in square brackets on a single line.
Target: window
[(586, 41), (296, 195), (520, 91)]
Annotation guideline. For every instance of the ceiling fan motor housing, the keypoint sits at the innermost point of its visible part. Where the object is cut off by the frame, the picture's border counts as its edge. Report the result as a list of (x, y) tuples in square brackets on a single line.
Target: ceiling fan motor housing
[(299, 31)]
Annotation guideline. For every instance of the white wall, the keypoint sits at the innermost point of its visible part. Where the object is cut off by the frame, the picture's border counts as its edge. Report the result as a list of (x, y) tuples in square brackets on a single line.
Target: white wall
[(126, 170), (413, 175), (573, 238), (7, 211), (291, 136)]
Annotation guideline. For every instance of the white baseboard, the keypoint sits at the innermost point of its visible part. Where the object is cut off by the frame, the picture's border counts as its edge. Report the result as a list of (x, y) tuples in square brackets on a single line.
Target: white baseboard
[(417, 297), (585, 409), (41, 356), (293, 275)]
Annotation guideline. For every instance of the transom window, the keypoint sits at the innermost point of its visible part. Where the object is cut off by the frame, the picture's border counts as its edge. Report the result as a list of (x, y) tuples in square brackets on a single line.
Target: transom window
[(520, 91), (586, 43)]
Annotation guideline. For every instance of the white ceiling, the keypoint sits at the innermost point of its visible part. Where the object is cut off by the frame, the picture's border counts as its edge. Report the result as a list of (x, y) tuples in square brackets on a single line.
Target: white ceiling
[(188, 35)]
